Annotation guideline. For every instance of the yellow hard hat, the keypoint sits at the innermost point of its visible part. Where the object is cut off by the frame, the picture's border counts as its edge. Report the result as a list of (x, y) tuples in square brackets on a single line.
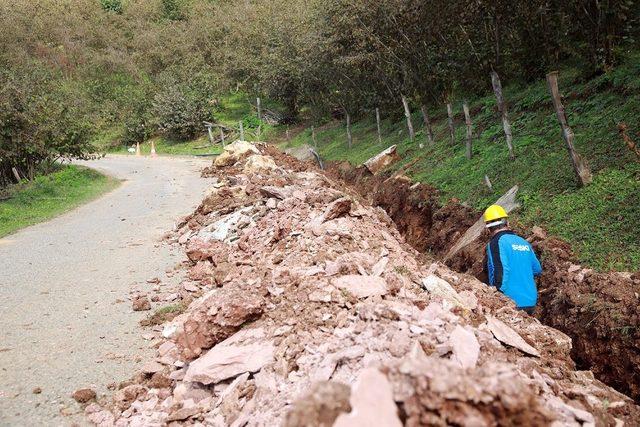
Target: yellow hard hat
[(494, 213)]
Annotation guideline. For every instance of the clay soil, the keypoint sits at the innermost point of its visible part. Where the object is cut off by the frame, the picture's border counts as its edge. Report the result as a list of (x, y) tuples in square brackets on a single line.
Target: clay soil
[(597, 310)]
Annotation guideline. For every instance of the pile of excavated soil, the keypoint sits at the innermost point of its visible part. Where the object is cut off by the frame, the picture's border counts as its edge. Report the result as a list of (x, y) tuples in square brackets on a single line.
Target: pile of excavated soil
[(597, 310), (312, 310)]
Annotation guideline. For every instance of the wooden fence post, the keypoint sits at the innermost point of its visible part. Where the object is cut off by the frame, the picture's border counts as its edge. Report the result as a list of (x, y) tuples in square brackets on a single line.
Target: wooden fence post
[(467, 120), (288, 136), (210, 133), (349, 136), (488, 182), (378, 123), (222, 136), (16, 174), (452, 129), (427, 124), (313, 137), (241, 131), (407, 114), (583, 174), (504, 113), (259, 108)]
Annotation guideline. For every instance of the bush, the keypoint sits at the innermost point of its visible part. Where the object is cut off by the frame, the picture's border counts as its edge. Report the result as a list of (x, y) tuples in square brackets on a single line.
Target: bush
[(42, 119), (114, 6), (181, 107)]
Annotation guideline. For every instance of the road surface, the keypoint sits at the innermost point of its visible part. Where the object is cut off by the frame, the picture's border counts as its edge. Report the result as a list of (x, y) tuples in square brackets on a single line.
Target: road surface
[(63, 322)]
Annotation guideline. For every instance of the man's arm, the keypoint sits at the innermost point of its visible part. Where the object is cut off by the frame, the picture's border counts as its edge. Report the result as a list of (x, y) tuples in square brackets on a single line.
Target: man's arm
[(495, 269), (535, 264)]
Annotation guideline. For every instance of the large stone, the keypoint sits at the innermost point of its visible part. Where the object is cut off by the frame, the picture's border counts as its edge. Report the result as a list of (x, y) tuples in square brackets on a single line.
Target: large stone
[(141, 303), (320, 406), (336, 209), (361, 286), (371, 402), (84, 395), (246, 351), (443, 289), (214, 317), (234, 152), (258, 163), (377, 163), (465, 346), (506, 335)]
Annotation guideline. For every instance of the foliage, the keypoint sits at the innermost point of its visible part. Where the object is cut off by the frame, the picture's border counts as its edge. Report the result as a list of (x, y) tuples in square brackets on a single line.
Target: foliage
[(51, 195), (181, 107), (41, 120), (171, 9), (114, 6)]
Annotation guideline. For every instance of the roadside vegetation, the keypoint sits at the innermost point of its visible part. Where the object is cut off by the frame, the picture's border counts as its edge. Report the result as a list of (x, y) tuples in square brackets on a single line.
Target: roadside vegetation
[(45, 197)]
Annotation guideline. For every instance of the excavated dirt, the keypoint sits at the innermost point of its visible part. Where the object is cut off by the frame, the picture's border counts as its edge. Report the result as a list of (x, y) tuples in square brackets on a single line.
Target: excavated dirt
[(597, 310), (310, 309)]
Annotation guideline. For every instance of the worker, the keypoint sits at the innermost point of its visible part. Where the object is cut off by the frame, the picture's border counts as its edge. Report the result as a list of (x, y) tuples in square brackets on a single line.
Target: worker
[(510, 262)]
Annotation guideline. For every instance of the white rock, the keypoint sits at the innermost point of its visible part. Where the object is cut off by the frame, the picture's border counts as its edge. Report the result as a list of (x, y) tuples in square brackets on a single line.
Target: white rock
[(506, 335), (246, 351), (371, 402), (362, 286), (466, 348)]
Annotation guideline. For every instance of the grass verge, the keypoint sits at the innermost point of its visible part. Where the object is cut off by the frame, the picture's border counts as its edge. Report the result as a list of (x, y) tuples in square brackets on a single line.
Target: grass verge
[(50, 195), (166, 147)]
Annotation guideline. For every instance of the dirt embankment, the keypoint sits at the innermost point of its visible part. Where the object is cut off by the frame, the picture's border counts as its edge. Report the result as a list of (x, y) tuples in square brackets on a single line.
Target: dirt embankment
[(597, 310), (311, 310)]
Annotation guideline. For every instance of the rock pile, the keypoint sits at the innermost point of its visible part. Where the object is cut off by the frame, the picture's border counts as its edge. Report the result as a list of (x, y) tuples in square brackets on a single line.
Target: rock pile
[(313, 311)]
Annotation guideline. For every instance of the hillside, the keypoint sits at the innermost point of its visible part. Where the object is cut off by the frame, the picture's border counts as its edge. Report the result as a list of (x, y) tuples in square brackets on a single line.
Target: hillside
[(600, 220)]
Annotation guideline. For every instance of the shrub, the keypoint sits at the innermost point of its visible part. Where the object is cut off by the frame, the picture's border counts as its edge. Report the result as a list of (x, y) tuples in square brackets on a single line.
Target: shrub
[(181, 107)]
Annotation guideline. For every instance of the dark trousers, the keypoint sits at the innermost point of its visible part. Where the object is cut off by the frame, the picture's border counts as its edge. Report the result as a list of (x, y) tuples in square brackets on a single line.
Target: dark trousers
[(528, 310)]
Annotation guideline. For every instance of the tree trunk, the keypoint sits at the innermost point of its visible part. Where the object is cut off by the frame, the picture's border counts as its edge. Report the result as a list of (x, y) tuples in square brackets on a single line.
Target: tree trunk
[(241, 131), (427, 124), (313, 137), (16, 174), (259, 106), (452, 129), (349, 137), (583, 174), (407, 114), (467, 120), (378, 123), (502, 107)]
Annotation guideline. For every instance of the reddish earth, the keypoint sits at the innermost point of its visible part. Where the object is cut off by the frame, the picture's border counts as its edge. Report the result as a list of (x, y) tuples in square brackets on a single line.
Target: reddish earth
[(597, 310)]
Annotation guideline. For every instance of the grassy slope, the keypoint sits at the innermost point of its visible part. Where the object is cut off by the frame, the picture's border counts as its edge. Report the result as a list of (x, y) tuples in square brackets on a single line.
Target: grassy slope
[(602, 221), (51, 195)]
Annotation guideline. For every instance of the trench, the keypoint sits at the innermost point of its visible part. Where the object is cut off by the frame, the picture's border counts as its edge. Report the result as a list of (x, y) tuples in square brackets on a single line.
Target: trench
[(597, 310)]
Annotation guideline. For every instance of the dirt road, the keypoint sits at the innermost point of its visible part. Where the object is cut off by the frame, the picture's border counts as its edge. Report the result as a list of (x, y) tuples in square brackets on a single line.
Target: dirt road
[(64, 324)]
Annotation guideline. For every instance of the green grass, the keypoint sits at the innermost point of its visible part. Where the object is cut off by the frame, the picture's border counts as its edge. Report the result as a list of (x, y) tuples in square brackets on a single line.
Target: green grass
[(50, 195), (166, 147), (601, 221), (164, 314)]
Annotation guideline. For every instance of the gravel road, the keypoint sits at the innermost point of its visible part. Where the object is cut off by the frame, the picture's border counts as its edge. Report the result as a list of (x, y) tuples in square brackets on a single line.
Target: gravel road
[(65, 319)]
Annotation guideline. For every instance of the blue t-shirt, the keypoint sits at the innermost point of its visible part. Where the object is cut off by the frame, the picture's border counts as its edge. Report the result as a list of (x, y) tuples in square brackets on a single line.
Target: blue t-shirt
[(511, 266)]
